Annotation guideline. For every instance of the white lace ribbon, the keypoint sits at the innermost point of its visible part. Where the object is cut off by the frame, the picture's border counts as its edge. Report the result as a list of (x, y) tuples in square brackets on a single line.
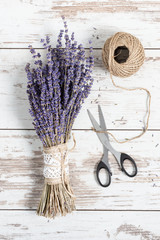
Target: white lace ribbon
[(52, 165)]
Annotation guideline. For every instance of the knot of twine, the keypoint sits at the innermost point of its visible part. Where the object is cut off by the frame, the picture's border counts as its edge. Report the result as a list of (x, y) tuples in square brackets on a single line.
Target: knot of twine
[(132, 64), (56, 168)]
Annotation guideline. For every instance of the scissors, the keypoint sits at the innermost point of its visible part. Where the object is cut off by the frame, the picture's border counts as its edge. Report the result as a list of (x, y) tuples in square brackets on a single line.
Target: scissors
[(120, 157)]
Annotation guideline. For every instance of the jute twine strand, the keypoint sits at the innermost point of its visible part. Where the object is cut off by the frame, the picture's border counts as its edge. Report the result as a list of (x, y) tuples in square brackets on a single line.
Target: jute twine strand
[(126, 69), (62, 148)]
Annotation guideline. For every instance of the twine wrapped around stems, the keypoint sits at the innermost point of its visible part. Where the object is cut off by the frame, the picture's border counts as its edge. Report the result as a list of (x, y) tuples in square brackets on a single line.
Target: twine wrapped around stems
[(126, 68), (57, 196)]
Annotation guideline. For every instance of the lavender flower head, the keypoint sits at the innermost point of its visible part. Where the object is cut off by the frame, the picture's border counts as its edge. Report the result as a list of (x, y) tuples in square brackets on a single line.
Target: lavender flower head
[(57, 88)]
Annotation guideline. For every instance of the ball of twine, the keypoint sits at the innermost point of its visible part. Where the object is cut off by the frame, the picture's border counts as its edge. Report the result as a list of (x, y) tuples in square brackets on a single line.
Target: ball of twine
[(125, 68), (134, 61)]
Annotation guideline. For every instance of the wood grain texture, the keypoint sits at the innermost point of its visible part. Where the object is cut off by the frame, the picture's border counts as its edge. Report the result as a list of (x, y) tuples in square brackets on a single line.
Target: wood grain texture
[(26, 21), (21, 179), (101, 213), (122, 109), (80, 225)]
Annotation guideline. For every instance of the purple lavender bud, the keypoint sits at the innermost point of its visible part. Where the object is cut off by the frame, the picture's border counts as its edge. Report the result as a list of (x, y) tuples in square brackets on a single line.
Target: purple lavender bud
[(57, 87), (47, 39)]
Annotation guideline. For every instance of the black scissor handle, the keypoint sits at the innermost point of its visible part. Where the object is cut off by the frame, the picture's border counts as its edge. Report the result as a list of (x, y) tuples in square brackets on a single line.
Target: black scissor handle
[(124, 157), (100, 166)]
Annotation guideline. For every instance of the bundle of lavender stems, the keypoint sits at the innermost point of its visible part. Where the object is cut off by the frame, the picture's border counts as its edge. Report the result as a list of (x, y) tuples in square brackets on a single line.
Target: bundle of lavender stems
[(56, 90)]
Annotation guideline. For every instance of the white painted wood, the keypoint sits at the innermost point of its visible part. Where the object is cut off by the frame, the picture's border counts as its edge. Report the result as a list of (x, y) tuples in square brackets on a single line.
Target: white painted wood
[(25, 22), (21, 167), (122, 109), (19, 225)]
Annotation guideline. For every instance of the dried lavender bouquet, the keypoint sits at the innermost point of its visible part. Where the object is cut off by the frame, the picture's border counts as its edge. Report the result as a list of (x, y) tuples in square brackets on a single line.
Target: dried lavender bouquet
[(56, 90)]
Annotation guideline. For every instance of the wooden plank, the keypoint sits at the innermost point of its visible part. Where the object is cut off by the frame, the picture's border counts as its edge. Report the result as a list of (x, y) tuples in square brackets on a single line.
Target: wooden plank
[(21, 179), (25, 22), (115, 102), (19, 225)]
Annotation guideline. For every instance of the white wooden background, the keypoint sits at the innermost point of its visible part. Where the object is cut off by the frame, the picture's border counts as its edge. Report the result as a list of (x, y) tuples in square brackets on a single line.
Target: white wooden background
[(130, 208)]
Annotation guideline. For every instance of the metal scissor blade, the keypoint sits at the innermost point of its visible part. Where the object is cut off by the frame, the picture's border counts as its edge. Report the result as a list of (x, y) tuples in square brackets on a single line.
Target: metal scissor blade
[(102, 121), (101, 136), (94, 122), (105, 149), (104, 140), (103, 126)]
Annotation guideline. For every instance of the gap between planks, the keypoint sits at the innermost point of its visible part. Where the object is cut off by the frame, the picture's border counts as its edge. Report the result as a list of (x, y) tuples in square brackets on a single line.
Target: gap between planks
[(108, 129), (26, 48), (86, 210)]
